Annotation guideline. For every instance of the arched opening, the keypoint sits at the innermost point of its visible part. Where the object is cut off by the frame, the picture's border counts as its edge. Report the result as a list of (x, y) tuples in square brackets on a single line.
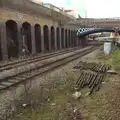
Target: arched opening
[(38, 38), (62, 36), (52, 38), (46, 38), (27, 42), (66, 38), (69, 40), (12, 39), (58, 37)]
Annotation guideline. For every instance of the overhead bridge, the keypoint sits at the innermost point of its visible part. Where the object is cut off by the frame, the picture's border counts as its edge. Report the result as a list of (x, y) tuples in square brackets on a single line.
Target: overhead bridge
[(86, 31)]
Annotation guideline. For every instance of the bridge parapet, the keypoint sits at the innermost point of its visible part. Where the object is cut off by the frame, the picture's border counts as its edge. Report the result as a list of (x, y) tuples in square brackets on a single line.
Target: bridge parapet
[(27, 5), (102, 22)]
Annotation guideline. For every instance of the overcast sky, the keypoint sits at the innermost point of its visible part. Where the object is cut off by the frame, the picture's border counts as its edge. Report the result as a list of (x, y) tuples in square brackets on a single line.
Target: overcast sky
[(102, 8), (94, 8)]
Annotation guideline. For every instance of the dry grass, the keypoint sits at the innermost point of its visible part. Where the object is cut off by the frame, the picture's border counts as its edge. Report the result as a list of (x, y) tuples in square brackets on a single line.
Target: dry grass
[(54, 101), (94, 107)]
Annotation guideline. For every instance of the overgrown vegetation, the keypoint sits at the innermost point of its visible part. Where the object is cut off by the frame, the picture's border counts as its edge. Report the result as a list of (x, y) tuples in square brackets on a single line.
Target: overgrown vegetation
[(52, 102), (112, 59)]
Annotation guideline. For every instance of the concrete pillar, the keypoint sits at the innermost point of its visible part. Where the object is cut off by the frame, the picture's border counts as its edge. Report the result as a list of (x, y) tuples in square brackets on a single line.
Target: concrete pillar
[(49, 37), (3, 38), (55, 38), (20, 38), (33, 39), (42, 40)]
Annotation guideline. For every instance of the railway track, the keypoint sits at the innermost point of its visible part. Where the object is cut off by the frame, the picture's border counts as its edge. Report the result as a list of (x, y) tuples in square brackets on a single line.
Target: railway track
[(22, 62), (23, 76)]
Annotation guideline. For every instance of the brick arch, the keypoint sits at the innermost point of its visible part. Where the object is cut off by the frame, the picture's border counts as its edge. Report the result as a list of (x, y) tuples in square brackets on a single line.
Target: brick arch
[(66, 38), (72, 40), (58, 37), (62, 37), (69, 39), (37, 29), (52, 37), (46, 37), (12, 39), (27, 42)]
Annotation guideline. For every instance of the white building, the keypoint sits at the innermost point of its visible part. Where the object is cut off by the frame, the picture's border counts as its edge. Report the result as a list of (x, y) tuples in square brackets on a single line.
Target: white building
[(37, 1), (72, 13)]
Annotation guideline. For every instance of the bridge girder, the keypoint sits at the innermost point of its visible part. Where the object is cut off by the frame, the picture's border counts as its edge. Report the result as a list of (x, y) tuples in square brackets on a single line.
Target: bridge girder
[(87, 31)]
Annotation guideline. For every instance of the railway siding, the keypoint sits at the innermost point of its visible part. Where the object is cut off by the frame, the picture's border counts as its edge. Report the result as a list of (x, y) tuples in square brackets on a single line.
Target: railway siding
[(9, 96)]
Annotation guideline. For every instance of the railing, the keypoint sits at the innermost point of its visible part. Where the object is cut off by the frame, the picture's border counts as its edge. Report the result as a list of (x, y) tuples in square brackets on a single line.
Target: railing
[(52, 7)]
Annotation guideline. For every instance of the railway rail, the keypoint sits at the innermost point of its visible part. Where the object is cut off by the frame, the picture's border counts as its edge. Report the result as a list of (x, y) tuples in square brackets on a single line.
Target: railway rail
[(40, 69), (14, 64)]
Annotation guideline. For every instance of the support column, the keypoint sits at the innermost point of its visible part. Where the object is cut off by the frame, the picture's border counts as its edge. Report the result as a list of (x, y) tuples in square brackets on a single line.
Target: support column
[(60, 38), (49, 37), (67, 38), (74, 39), (42, 40), (70, 44), (64, 38), (3, 38), (86, 40), (77, 41), (55, 38), (33, 39), (20, 38)]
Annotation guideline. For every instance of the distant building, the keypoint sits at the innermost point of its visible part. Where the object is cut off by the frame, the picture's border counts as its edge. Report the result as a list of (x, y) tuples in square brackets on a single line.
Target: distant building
[(37, 1), (72, 13)]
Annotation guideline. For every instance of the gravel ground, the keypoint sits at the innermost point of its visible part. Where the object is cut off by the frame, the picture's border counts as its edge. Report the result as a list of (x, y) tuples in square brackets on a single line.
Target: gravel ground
[(102, 105)]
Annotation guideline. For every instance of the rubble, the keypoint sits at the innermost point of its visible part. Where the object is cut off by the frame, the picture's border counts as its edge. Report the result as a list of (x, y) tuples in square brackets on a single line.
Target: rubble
[(77, 95)]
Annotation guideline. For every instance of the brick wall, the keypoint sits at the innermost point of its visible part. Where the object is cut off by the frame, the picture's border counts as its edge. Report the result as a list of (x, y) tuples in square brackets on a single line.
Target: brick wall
[(7, 14)]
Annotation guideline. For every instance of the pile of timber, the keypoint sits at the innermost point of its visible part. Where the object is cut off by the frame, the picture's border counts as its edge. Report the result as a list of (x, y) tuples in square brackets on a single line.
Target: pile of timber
[(97, 67), (92, 75), (91, 79)]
